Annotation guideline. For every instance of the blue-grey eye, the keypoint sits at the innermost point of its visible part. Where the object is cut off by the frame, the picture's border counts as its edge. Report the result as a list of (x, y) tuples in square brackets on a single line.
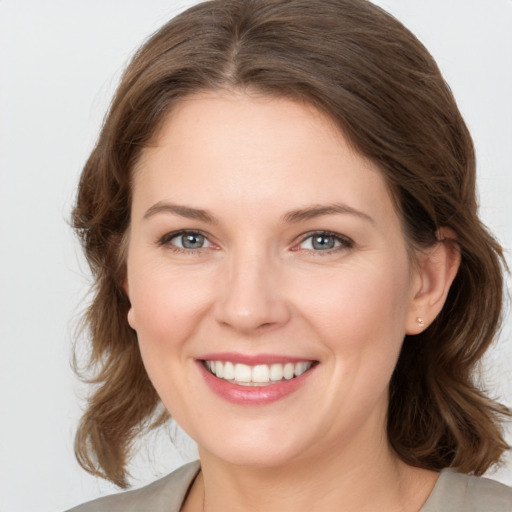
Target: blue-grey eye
[(190, 240), (321, 242)]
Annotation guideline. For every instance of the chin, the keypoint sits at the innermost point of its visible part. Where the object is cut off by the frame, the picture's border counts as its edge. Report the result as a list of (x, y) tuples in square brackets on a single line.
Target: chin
[(255, 447), (255, 457)]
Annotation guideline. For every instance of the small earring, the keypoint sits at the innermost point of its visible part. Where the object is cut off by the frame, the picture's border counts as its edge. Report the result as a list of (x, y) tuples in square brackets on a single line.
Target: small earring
[(421, 322)]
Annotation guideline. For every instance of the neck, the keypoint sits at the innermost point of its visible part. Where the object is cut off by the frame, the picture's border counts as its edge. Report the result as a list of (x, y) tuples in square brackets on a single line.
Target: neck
[(359, 480)]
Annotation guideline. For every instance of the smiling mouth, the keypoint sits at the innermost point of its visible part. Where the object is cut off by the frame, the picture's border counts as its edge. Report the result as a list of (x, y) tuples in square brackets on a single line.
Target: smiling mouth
[(257, 375)]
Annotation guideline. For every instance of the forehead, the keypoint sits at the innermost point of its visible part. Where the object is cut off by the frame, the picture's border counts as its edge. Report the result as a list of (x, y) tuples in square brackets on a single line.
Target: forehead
[(251, 149), (242, 120)]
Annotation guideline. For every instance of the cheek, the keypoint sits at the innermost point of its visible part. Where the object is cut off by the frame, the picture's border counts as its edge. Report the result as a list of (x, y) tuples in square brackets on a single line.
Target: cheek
[(167, 310), (356, 301), (362, 325), (360, 314), (167, 306)]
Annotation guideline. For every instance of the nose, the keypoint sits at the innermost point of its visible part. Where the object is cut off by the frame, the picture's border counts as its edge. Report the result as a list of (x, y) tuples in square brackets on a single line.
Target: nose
[(251, 296)]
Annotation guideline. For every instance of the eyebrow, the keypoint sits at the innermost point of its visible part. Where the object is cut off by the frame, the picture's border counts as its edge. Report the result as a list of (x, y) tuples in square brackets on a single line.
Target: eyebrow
[(181, 210), (314, 211), (292, 217)]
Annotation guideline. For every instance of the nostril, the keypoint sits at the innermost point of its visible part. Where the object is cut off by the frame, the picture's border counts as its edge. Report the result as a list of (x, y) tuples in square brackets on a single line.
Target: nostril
[(266, 324)]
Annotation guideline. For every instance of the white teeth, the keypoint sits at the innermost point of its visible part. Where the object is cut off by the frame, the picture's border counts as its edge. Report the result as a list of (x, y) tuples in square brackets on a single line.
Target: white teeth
[(242, 373), (219, 369), (259, 374), (300, 368), (276, 372), (229, 370), (288, 371)]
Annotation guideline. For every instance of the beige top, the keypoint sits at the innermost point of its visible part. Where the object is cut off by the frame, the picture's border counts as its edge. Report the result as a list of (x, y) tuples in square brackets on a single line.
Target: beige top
[(453, 492)]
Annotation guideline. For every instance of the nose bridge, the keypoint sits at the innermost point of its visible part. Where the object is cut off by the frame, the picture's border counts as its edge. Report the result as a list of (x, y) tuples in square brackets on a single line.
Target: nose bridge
[(250, 297)]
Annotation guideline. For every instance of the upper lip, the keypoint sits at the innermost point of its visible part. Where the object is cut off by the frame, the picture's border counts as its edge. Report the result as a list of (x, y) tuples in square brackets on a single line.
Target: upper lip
[(253, 359)]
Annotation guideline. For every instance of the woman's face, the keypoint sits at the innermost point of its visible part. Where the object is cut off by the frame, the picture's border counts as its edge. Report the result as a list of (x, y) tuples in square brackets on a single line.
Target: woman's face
[(262, 246)]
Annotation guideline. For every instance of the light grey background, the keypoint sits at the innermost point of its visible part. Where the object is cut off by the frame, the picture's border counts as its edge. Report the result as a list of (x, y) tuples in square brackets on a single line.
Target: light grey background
[(60, 62)]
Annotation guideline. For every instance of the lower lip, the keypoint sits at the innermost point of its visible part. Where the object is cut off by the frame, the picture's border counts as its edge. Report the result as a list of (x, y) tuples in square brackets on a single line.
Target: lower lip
[(252, 395)]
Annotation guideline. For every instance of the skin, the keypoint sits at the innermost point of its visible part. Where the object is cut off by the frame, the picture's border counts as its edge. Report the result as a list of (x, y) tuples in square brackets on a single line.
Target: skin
[(257, 285)]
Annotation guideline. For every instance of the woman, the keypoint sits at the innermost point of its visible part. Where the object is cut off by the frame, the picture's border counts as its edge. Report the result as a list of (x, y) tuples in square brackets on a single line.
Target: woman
[(280, 215)]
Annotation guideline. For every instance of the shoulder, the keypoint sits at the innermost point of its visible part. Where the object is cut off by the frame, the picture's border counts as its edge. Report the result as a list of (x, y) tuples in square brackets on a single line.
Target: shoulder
[(457, 492), (166, 494)]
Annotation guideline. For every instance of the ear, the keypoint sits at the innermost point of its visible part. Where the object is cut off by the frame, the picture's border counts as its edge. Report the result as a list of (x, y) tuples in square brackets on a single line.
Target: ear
[(435, 271), (131, 318), (130, 315)]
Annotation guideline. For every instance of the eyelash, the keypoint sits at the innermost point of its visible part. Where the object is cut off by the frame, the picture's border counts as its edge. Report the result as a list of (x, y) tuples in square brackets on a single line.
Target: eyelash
[(165, 241), (344, 242)]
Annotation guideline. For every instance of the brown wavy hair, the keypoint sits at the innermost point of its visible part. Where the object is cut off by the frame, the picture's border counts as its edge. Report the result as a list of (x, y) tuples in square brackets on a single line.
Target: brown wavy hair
[(365, 70)]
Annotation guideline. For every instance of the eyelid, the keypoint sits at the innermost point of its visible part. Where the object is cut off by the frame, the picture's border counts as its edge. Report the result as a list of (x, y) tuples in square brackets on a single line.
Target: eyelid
[(165, 240), (345, 242)]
